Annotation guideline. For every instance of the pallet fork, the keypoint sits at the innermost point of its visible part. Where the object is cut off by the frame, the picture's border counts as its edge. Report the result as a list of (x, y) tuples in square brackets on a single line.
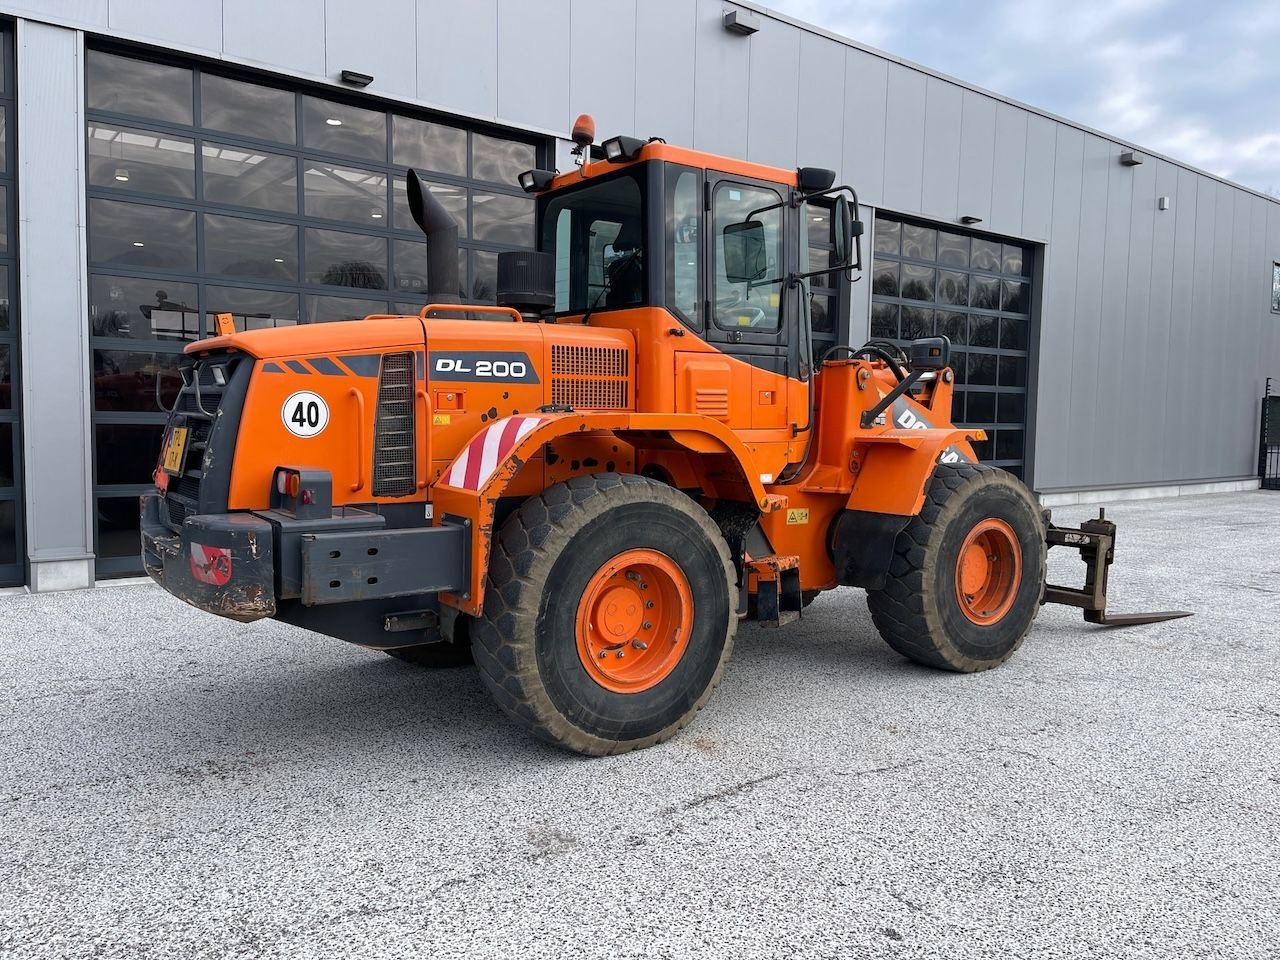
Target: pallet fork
[(1096, 541)]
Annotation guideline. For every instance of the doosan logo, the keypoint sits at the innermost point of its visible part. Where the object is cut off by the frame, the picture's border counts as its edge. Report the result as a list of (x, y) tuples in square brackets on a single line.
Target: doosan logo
[(907, 420)]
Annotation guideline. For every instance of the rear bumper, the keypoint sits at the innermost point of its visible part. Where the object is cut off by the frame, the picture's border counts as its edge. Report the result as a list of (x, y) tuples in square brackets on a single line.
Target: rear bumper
[(244, 565), (221, 563)]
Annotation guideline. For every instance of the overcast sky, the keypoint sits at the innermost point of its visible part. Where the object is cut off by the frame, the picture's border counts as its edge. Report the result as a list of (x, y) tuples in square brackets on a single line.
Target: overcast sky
[(1198, 80)]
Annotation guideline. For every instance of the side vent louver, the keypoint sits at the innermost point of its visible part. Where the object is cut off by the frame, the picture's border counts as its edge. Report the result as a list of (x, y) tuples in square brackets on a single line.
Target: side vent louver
[(393, 431), (590, 377)]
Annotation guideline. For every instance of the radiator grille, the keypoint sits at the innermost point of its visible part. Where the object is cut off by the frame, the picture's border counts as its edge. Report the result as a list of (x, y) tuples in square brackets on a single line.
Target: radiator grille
[(590, 377), (394, 463)]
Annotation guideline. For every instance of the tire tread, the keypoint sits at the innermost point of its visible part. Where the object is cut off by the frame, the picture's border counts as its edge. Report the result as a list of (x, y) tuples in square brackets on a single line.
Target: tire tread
[(901, 611), (522, 555)]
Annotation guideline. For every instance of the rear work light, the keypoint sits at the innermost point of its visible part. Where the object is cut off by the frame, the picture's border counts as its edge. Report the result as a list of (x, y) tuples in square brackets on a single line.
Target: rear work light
[(534, 181)]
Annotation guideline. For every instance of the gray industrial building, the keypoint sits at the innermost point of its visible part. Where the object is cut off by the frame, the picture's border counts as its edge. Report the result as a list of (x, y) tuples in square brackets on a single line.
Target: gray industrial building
[(1114, 312)]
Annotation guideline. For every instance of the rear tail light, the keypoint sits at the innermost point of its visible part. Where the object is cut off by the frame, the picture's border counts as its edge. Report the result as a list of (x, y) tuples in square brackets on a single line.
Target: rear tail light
[(302, 491)]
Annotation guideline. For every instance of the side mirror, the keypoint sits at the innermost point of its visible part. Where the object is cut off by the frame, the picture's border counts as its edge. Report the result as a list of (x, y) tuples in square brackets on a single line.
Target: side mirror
[(744, 251), (842, 230), (930, 353)]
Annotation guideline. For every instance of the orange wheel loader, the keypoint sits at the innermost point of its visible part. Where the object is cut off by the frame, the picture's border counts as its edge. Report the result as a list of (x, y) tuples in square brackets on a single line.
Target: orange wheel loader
[(586, 487)]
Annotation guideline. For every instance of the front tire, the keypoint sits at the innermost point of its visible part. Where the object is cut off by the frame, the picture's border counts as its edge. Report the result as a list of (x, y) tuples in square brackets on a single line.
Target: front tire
[(607, 617), (967, 575)]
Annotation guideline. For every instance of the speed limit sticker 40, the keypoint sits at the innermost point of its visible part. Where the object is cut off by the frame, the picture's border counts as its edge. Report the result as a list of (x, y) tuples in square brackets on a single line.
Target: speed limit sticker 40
[(305, 414)]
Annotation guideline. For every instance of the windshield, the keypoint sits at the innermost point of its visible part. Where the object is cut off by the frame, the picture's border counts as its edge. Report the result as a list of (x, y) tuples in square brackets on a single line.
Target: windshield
[(596, 233)]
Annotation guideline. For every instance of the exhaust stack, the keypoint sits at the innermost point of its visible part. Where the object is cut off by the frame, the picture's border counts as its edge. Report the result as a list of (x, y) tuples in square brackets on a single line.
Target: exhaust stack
[(442, 240)]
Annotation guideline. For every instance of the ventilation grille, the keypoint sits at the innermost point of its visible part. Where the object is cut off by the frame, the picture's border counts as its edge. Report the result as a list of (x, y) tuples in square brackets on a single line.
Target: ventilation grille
[(712, 402), (393, 431), (590, 377)]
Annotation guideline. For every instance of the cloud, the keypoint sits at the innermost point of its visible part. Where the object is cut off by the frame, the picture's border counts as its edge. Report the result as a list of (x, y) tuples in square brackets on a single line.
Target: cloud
[(1170, 75), (872, 22)]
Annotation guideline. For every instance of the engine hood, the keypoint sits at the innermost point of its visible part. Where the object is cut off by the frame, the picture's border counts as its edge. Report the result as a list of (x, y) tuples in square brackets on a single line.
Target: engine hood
[(360, 335)]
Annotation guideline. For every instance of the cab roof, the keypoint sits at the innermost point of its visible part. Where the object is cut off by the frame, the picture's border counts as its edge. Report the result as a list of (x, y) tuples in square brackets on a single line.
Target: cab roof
[(656, 150)]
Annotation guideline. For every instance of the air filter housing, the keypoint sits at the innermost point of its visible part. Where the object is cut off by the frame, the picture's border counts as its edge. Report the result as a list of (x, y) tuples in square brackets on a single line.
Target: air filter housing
[(527, 280)]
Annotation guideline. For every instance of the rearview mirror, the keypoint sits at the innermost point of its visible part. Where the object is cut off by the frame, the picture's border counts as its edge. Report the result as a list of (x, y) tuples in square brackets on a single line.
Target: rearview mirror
[(744, 251), (841, 229)]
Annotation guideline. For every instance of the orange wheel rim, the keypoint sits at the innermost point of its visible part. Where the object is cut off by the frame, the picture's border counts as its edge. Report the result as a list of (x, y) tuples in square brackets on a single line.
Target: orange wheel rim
[(988, 572), (634, 620)]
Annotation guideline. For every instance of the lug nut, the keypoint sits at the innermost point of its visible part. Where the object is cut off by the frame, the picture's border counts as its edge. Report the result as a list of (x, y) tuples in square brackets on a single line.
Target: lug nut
[(646, 625), (648, 604), (619, 653)]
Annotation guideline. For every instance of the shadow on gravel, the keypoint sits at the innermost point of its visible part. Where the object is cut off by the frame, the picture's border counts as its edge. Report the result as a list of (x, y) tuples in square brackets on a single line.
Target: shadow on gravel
[(342, 703), (374, 708)]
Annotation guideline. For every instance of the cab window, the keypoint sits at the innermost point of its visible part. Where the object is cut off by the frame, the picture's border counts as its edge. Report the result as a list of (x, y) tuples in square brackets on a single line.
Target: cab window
[(596, 233), (744, 213), (684, 206)]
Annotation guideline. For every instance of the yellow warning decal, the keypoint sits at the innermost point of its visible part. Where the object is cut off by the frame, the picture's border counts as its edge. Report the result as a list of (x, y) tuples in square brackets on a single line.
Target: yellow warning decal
[(440, 419), (797, 515)]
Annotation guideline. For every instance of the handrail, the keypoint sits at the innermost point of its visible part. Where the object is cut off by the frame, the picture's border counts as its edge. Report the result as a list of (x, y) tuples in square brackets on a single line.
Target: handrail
[(469, 308), (359, 439), (424, 449)]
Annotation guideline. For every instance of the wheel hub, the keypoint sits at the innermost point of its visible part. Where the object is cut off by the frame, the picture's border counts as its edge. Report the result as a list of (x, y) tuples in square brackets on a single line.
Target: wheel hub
[(633, 619), (988, 572)]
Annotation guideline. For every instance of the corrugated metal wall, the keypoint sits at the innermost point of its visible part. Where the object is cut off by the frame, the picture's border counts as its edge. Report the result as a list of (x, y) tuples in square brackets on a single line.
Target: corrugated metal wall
[(1156, 329)]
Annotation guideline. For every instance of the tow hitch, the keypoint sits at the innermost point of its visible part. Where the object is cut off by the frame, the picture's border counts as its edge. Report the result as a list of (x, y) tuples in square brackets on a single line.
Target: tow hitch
[(1096, 541)]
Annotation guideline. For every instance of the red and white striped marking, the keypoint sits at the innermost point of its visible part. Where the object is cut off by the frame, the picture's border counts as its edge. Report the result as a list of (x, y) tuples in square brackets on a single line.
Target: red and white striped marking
[(478, 461), (211, 564)]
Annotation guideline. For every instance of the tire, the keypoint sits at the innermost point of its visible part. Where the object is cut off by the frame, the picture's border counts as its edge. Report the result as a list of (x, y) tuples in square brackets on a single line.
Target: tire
[(967, 575), (443, 655), (596, 559)]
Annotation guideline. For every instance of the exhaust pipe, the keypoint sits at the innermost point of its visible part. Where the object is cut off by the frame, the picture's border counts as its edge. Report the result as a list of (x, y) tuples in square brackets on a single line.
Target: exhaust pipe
[(441, 231)]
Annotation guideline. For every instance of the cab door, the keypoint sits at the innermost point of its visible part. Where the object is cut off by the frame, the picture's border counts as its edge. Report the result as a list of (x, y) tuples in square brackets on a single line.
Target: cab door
[(756, 322)]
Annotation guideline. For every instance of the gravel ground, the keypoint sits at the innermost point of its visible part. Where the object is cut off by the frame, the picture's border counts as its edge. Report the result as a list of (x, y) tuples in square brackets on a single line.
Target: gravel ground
[(175, 785)]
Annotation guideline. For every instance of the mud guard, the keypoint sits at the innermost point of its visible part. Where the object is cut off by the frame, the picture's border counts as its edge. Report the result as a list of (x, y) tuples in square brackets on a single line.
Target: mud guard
[(469, 489), (894, 466), (862, 547)]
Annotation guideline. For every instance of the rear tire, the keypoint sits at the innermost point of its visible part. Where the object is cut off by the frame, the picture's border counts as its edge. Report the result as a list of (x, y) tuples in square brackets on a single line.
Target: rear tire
[(967, 575), (607, 617)]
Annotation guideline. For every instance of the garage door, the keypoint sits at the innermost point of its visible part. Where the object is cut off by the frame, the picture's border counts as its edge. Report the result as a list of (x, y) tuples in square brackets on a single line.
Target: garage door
[(976, 290), (210, 192)]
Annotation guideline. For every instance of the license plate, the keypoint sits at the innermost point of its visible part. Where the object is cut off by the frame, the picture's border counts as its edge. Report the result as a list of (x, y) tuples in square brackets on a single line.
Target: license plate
[(175, 448)]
